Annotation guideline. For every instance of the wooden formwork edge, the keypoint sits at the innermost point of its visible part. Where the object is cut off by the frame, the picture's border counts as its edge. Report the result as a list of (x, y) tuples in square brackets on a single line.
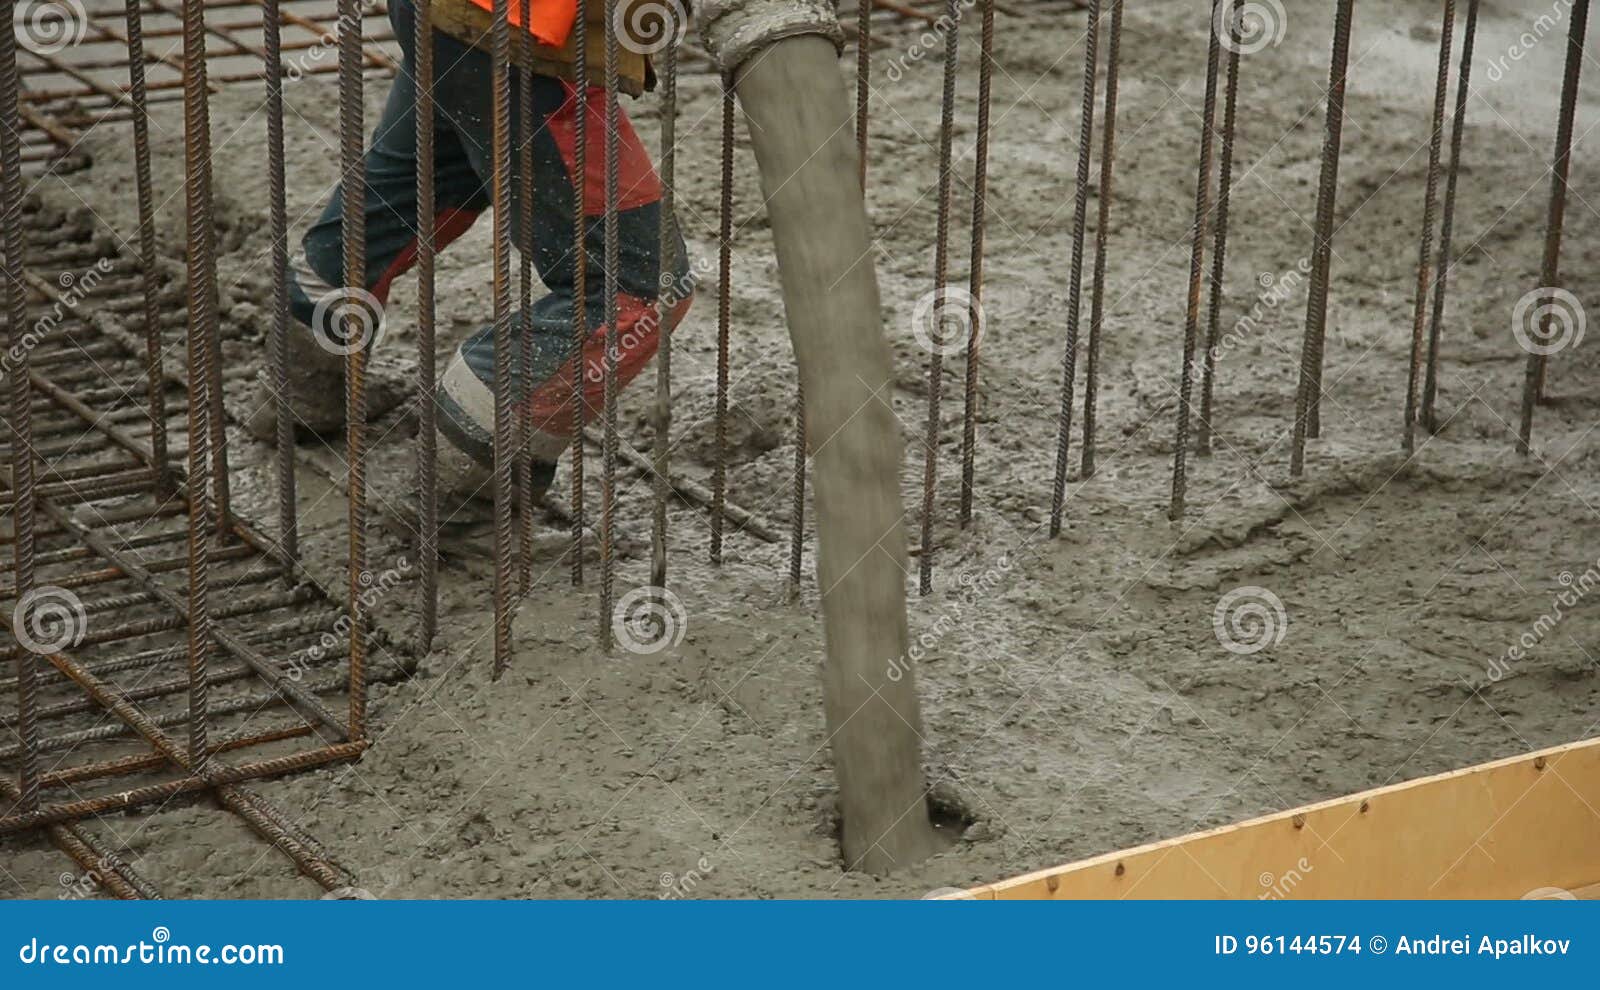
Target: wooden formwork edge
[(1523, 826)]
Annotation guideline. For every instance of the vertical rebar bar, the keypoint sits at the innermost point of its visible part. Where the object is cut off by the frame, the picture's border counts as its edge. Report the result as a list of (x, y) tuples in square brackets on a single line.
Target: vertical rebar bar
[(1102, 235), (719, 470), (199, 225), (278, 336), (1197, 267), (20, 419), (580, 274), (1069, 360), (1441, 286), (1430, 197), (608, 488), (1308, 396), (980, 217), (504, 428), (427, 402), (155, 382), (863, 84), (941, 288), (797, 504), (353, 232), (1219, 257), (1550, 272), (667, 248), (523, 461)]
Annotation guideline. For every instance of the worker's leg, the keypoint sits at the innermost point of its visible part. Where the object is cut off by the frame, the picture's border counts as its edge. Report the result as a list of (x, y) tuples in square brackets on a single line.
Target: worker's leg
[(466, 391), (316, 279)]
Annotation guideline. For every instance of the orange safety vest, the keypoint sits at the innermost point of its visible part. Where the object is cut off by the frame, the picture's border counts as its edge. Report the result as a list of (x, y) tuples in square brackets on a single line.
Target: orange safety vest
[(549, 21)]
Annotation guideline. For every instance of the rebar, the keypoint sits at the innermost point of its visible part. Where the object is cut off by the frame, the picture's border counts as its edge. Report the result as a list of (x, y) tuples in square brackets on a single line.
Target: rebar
[(202, 327), (427, 402), (1197, 267), (941, 288), (666, 250), (504, 429), (863, 84), (155, 384), (278, 337), (523, 462), (1441, 285), (580, 276), (608, 486), (719, 468), (980, 217), (797, 503), (1102, 235), (1308, 396), (1550, 272), (20, 420), (1219, 254), (1069, 359), (353, 230), (1419, 311)]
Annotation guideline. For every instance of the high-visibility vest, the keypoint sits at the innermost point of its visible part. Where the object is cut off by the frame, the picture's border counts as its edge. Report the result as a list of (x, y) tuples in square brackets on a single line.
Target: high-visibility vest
[(549, 21)]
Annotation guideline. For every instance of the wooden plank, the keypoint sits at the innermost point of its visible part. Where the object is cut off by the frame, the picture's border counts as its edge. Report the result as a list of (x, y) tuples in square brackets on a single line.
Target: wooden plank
[(1525, 825)]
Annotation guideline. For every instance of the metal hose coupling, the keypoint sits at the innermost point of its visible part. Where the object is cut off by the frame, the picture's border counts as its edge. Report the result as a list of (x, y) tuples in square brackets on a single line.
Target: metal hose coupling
[(734, 30)]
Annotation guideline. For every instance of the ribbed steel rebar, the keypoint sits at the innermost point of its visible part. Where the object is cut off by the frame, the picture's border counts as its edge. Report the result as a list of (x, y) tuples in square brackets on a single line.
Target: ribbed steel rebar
[(523, 462), (1102, 235), (580, 275), (155, 383), (719, 468), (608, 487), (667, 247), (1197, 268), (1419, 312), (1069, 359), (863, 84), (1550, 271), (504, 428), (1441, 283), (288, 514), (1308, 397), (1219, 256), (353, 228), (427, 403), (941, 288), (980, 219)]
